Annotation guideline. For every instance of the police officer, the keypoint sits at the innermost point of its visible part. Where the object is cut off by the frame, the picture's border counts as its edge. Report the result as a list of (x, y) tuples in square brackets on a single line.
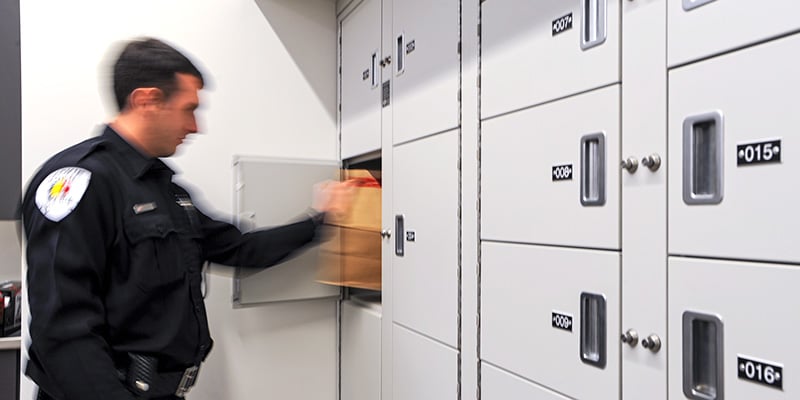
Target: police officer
[(115, 247)]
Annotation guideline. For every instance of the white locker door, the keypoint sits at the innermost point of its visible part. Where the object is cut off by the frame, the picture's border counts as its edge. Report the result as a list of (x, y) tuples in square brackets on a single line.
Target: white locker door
[(732, 326), (361, 80), (550, 174), (361, 351), (535, 51), (497, 384), (425, 66), (724, 113), (423, 369), (425, 265), (701, 28), (551, 315)]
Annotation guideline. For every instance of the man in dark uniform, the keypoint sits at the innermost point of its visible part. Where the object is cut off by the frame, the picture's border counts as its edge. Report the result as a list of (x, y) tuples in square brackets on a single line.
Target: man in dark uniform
[(115, 247)]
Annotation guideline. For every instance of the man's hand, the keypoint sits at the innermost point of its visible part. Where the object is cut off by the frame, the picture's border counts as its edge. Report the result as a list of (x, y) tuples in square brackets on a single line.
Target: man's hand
[(333, 198)]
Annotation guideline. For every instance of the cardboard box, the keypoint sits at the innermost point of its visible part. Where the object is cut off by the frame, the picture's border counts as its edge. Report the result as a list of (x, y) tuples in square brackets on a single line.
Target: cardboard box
[(352, 255)]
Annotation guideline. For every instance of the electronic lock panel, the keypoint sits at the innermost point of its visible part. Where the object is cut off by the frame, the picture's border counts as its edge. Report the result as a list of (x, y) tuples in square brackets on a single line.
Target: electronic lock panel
[(361, 79), (551, 315), (702, 28), (733, 124), (536, 51), (425, 236), (550, 174), (732, 327), (425, 68)]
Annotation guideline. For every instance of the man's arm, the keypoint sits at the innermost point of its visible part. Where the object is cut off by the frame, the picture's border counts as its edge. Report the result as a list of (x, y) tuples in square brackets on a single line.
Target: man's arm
[(66, 274), (224, 244)]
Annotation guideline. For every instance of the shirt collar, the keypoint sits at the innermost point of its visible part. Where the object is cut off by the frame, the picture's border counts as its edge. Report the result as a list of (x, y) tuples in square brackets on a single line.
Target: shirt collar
[(136, 163)]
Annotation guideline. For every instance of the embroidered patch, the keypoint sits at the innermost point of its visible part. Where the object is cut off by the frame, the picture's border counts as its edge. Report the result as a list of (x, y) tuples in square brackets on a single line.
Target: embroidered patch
[(61, 192)]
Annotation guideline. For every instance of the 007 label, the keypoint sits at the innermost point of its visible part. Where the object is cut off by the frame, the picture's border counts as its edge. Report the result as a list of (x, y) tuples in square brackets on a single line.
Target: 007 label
[(760, 372), (562, 24)]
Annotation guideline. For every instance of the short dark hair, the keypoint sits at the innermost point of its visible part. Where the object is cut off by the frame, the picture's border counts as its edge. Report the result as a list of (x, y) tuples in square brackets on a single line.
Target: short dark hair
[(149, 62)]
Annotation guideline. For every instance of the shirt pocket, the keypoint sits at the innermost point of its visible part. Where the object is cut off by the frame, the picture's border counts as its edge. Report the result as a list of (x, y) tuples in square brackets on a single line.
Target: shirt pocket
[(156, 260)]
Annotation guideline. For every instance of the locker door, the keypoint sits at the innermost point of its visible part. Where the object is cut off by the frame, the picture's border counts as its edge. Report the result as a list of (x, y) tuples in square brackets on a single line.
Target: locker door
[(732, 171), (423, 368), (425, 266), (732, 326), (550, 174), (535, 51), (497, 384), (361, 351), (551, 315), (425, 66), (701, 28), (361, 80)]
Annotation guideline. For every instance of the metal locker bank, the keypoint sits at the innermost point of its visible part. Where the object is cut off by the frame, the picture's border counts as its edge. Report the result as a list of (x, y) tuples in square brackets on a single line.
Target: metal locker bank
[(569, 199)]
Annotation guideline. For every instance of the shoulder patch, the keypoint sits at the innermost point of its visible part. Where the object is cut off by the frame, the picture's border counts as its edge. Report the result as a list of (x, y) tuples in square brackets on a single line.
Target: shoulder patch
[(61, 192)]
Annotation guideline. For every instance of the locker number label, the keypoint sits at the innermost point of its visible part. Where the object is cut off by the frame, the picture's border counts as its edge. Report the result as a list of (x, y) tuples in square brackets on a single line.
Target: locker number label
[(411, 236), (562, 321), (365, 75), (562, 172), (411, 46), (562, 24), (758, 153), (765, 373)]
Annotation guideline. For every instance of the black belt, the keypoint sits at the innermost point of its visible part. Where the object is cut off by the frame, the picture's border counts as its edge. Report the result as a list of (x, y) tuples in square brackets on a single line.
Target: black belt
[(142, 377)]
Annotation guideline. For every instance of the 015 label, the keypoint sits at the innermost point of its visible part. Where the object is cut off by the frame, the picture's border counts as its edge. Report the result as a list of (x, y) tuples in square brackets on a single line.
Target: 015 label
[(759, 153), (761, 372), (562, 321)]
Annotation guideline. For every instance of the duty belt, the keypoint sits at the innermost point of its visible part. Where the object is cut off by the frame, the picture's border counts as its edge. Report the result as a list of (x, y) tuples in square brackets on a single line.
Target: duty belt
[(142, 378)]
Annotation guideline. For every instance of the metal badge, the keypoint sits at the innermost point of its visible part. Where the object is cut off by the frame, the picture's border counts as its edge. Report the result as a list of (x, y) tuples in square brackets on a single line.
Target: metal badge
[(142, 208)]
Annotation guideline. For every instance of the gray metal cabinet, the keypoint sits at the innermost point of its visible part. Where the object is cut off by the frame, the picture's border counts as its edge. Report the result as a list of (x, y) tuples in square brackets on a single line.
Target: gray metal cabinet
[(10, 110)]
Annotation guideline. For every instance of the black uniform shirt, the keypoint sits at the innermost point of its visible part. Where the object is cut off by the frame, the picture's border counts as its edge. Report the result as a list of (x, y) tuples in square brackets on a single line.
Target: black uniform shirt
[(121, 272)]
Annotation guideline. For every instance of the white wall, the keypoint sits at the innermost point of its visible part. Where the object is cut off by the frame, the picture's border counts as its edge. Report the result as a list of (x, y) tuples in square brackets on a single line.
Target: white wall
[(273, 92)]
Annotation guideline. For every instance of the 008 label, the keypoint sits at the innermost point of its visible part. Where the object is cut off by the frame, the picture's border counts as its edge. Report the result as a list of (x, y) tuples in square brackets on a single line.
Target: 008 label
[(759, 153), (761, 372), (562, 172), (562, 321)]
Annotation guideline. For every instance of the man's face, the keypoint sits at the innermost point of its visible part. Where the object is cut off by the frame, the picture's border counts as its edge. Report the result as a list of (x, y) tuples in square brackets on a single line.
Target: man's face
[(174, 117)]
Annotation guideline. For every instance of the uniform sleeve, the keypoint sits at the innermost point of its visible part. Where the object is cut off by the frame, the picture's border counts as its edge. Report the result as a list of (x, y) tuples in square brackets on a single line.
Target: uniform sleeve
[(224, 244), (66, 270)]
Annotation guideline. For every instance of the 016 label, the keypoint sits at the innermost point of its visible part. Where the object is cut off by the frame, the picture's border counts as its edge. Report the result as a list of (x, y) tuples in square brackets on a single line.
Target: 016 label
[(760, 372)]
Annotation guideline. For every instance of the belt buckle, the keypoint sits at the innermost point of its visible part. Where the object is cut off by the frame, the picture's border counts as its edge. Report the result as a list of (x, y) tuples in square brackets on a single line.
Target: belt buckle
[(187, 381)]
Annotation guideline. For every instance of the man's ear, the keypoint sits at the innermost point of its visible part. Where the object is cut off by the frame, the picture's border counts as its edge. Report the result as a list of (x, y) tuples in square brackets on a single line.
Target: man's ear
[(145, 98)]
